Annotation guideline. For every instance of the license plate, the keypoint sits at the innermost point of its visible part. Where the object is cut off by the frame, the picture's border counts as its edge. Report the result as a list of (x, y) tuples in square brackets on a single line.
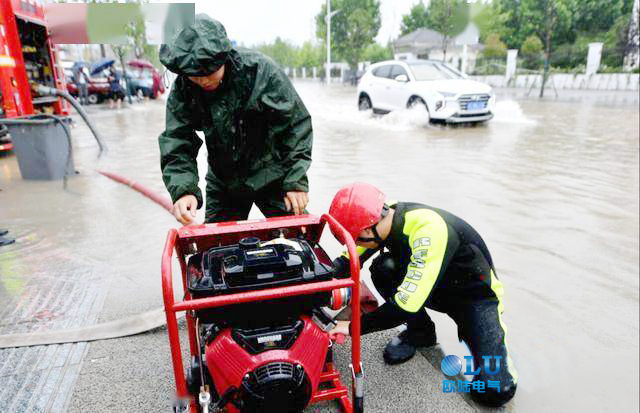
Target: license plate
[(475, 105)]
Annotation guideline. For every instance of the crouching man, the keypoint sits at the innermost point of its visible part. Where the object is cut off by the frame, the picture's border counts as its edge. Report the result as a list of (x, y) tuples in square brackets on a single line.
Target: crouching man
[(433, 260)]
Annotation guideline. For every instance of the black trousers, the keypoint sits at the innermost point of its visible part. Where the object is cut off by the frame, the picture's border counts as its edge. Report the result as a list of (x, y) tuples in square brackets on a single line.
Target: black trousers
[(479, 324), (223, 204)]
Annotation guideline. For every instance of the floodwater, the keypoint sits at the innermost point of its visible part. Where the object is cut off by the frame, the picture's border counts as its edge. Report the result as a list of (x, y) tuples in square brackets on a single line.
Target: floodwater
[(552, 186)]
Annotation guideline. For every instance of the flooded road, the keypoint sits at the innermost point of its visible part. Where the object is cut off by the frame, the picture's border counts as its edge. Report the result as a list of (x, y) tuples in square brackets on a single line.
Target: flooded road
[(551, 185)]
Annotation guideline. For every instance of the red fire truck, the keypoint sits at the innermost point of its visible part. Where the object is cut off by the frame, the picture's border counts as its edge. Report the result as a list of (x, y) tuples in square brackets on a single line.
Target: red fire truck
[(27, 58)]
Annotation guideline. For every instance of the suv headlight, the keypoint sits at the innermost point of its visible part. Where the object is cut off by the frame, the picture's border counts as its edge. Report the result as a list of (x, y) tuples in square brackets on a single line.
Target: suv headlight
[(447, 94)]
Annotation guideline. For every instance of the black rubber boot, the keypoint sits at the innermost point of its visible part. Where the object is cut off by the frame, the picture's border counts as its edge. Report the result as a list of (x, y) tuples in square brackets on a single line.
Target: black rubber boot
[(6, 241), (403, 347), (495, 398)]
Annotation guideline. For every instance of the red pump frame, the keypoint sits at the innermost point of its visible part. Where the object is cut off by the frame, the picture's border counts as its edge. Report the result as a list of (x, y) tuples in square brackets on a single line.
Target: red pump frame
[(209, 235)]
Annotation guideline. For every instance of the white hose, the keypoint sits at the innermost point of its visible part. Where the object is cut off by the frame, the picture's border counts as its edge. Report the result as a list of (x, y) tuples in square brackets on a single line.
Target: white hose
[(129, 326)]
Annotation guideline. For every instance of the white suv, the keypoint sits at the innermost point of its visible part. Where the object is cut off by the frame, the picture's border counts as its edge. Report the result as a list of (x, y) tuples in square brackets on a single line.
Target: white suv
[(447, 94)]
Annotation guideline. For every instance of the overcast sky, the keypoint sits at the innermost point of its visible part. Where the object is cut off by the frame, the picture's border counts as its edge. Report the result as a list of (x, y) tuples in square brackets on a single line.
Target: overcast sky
[(252, 22)]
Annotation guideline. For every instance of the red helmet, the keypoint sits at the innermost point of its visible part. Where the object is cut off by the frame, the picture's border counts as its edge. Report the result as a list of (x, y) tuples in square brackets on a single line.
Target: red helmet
[(357, 207)]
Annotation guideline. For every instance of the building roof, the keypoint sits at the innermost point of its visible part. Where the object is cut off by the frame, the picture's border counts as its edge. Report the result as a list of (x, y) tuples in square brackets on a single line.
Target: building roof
[(423, 38)]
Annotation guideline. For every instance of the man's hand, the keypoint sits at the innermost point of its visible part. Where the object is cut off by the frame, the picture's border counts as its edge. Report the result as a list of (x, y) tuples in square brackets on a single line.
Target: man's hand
[(296, 201), (185, 209), (342, 327)]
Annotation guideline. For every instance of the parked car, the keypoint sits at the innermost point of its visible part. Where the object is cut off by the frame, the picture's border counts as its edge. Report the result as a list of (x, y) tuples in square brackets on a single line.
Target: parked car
[(5, 139), (145, 78), (445, 92), (98, 87)]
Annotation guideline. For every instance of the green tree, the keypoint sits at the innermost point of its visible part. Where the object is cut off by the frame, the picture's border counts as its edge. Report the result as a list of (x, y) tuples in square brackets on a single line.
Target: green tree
[(494, 47), (488, 19), (509, 13), (377, 53), (281, 51), (550, 20), (449, 18), (310, 55), (565, 27), (416, 19), (136, 40), (592, 16), (353, 28), (616, 42)]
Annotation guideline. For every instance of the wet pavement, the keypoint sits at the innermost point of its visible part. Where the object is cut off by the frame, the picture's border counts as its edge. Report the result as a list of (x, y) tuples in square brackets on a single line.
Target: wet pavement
[(551, 185)]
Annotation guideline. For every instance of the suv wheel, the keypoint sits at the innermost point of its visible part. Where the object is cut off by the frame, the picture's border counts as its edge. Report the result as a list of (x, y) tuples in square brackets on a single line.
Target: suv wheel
[(364, 103), (415, 101)]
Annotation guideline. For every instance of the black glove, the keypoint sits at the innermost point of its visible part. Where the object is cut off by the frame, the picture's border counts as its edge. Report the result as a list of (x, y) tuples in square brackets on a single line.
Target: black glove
[(341, 267), (384, 265)]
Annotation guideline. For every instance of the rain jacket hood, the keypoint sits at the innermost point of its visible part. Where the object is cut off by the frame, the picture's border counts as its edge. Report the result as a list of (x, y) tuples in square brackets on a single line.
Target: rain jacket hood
[(198, 50)]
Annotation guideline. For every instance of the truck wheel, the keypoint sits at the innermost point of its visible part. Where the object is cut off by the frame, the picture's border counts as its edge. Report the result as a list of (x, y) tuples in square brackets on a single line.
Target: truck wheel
[(93, 98)]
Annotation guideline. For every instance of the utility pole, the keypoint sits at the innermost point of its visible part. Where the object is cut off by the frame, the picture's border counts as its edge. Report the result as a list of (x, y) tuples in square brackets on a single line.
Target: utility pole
[(328, 20), (328, 42)]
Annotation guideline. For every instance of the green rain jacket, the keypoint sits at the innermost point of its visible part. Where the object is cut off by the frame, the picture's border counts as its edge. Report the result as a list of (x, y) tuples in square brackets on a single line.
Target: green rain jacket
[(257, 130)]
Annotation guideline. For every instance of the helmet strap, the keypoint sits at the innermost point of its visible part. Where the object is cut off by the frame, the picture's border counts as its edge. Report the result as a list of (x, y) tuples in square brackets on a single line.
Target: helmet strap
[(376, 236)]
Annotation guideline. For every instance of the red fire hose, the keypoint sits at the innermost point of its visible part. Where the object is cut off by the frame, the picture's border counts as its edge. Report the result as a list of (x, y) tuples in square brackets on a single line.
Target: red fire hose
[(154, 196), (135, 324)]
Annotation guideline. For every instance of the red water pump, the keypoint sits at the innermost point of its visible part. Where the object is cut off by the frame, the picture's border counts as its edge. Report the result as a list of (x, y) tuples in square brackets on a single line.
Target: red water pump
[(277, 375), (255, 294)]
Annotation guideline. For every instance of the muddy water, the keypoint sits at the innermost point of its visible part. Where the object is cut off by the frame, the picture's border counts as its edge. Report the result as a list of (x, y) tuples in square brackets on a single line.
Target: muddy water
[(551, 185)]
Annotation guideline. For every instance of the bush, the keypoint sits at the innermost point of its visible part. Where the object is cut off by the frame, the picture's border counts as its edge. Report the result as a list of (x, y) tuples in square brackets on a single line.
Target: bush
[(610, 69), (532, 45), (494, 47), (569, 55), (577, 70), (531, 51)]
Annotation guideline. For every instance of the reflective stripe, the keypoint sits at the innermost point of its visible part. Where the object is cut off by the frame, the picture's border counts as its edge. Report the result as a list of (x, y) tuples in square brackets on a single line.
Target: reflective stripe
[(360, 250), (7, 61), (428, 237), (498, 290)]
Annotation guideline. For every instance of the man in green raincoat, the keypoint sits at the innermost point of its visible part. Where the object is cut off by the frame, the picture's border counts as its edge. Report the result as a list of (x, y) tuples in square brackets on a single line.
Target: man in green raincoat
[(257, 130)]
